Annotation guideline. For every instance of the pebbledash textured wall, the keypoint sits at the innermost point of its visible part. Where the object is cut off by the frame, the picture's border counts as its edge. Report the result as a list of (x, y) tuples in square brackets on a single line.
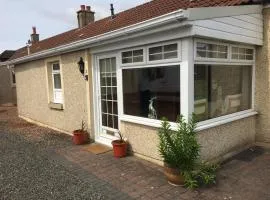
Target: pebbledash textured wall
[(215, 142), (262, 94), (7, 90), (33, 92)]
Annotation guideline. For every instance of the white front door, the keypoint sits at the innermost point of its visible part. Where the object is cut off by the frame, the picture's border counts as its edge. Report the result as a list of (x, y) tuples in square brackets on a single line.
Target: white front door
[(107, 98)]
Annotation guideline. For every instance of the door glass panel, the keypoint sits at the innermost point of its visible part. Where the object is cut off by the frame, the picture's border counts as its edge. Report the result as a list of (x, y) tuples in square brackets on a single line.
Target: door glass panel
[(108, 90)]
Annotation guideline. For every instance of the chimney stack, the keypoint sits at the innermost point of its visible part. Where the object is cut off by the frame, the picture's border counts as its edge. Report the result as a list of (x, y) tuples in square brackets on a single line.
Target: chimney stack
[(34, 35), (85, 16)]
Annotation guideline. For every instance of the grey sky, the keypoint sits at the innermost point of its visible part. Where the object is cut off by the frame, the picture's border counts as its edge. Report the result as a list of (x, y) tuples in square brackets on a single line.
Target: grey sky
[(49, 16)]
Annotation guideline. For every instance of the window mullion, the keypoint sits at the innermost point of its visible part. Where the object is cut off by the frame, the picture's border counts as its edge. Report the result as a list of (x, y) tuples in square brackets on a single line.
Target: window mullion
[(187, 78)]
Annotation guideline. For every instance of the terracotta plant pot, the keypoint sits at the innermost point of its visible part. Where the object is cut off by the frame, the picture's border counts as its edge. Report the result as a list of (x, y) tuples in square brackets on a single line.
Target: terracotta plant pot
[(173, 175), (119, 148), (79, 137)]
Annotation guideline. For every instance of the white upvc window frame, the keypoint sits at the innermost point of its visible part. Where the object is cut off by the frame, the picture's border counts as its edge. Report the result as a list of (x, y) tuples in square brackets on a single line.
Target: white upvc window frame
[(162, 44), (196, 58), (56, 99), (133, 63), (149, 64), (186, 60), (237, 115), (241, 60)]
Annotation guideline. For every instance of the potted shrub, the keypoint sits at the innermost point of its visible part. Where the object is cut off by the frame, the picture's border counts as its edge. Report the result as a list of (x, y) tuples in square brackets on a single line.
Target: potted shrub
[(119, 146), (80, 136), (180, 152)]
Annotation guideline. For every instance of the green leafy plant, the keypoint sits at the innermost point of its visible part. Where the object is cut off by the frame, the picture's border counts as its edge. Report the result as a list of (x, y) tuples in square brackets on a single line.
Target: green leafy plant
[(180, 149), (204, 174), (121, 138)]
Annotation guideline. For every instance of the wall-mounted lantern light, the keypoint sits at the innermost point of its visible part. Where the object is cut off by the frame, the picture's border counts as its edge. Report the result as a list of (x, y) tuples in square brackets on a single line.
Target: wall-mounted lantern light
[(81, 66)]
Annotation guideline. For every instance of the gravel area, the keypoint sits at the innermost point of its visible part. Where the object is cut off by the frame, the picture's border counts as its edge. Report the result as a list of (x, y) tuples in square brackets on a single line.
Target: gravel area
[(29, 170)]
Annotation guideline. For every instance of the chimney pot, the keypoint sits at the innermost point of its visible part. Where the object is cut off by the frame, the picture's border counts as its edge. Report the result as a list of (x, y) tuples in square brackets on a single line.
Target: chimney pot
[(34, 30), (34, 35), (82, 7), (85, 16)]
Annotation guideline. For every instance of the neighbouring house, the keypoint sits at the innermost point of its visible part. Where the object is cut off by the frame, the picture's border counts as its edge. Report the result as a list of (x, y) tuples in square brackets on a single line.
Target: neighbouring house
[(175, 57), (7, 81)]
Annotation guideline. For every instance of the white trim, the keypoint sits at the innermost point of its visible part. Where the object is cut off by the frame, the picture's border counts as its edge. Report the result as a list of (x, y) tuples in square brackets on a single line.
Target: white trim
[(241, 60), (152, 65), (162, 44), (122, 32), (57, 90), (201, 125), (187, 78), (225, 119), (220, 60), (133, 63), (215, 42), (99, 136)]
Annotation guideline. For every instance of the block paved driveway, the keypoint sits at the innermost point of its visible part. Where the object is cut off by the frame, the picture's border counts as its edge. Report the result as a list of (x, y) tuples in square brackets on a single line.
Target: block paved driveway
[(39, 163)]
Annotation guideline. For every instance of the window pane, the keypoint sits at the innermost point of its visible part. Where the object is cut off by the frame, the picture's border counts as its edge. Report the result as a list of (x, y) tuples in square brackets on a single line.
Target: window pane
[(57, 81), (152, 92), (242, 53), (155, 57), (171, 47), (221, 90), (205, 50), (155, 50), (102, 64), (138, 52), (104, 120), (127, 54), (56, 66), (138, 59), (127, 60), (13, 78), (170, 55)]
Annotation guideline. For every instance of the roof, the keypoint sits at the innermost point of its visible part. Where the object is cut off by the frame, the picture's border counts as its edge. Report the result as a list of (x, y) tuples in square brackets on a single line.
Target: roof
[(129, 17), (5, 55)]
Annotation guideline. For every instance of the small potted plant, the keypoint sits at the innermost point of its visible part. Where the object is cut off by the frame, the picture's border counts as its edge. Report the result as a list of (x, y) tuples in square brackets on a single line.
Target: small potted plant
[(180, 152), (119, 146), (80, 136)]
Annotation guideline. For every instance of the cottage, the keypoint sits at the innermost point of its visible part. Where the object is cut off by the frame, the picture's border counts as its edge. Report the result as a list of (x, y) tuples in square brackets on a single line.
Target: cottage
[(159, 59), (7, 81)]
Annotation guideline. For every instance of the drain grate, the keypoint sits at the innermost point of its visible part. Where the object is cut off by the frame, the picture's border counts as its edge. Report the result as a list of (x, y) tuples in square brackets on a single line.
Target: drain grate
[(249, 154)]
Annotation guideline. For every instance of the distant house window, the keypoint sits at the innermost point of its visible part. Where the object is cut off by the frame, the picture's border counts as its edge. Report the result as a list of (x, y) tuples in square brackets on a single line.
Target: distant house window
[(212, 51), (240, 53), (163, 52), (13, 78), (57, 85), (134, 56)]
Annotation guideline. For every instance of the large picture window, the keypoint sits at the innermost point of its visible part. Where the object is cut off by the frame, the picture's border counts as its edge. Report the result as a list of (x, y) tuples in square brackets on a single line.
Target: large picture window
[(152, 92), (221, 90)]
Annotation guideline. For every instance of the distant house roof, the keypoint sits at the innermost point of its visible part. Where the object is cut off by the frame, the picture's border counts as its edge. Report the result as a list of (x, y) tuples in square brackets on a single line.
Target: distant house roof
[(129, 17), (6, 55)]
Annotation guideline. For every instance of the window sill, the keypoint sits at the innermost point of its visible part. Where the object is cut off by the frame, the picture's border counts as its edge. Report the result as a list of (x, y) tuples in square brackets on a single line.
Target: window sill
[(211, 123), (201, 125), (56, 106)]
